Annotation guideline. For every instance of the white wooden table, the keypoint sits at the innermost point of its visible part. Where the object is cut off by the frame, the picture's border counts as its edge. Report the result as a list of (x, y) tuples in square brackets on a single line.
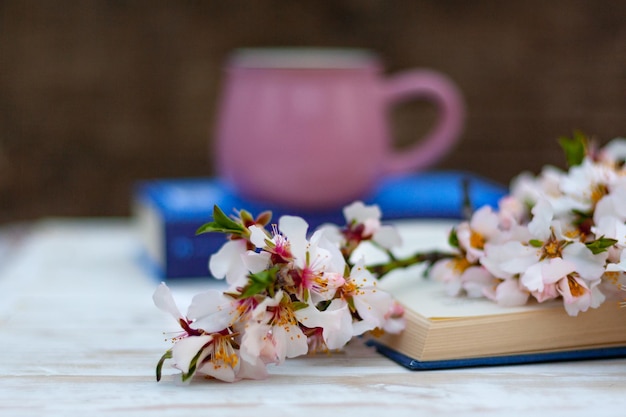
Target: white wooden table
[(79, 334)]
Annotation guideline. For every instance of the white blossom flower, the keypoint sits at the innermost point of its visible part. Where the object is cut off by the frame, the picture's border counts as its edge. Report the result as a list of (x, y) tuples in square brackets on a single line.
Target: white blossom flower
[(546, 258), (361, 293)]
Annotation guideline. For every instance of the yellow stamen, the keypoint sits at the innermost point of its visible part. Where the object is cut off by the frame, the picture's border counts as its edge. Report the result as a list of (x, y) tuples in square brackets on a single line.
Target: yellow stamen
[(223, 351), (460, 264), (574, 287), (551, 249), (612, 277), (597, 192), (477, 240)]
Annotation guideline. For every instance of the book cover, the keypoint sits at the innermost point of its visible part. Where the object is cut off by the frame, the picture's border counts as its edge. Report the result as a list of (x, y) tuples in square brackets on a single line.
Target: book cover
[(518, 359)]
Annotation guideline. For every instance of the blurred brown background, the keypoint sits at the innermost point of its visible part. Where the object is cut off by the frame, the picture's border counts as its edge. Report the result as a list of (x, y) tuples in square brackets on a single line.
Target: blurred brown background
[(97, 94)]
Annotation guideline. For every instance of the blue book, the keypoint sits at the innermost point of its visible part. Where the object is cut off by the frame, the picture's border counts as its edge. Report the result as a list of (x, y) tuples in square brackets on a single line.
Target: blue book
[(614, 352), (169, 211)]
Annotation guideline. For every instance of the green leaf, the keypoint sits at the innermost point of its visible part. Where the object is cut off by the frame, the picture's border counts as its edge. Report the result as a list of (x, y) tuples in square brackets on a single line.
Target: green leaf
[(453, 239), (600, 245), (221, 223), (193, 364), (222, 219), (259, 282), (575, 148), (159, 367), (535, 243), (299, 305), (351, 305), (581, 216)]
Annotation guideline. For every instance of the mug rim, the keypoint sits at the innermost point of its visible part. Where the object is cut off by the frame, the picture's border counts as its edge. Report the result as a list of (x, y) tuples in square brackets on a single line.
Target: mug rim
[(302, 58)]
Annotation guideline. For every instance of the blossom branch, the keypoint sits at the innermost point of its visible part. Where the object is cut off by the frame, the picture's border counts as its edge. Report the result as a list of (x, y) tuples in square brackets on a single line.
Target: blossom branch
[(430, 258), (560, 235)]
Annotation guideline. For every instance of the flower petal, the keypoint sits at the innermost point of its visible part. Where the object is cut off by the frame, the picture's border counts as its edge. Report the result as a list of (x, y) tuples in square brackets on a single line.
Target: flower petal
[(543, 214), (185, 349), (335, 322), (164, 300), (294, 229), (258, 236), (359, 212), (226, 262), (588, 265), (212, 311), (552, 270), (509, 294)]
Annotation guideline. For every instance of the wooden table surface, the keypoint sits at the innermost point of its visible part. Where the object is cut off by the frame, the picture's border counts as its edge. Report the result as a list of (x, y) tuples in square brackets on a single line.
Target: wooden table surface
[(79, 334)]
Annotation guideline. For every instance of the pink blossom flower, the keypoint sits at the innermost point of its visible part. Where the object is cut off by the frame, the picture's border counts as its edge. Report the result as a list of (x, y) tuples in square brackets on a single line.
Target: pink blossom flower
[(613, 282), (511, 212), (274, 330), (204, 350), (215, 356), (462, 277), (578, 295), (318, 262), (227, 262), (364, 223), (614, 152), (335, 323), (529, 189), (546, 258), (549, 292), (508, 293), (587, 183), (612, 204), (214, 311), (164, 300), (395, 320), (473, 235), (277, 244)]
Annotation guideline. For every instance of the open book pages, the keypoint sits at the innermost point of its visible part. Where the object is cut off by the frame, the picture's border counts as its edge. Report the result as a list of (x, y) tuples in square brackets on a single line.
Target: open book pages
[(441, 327)]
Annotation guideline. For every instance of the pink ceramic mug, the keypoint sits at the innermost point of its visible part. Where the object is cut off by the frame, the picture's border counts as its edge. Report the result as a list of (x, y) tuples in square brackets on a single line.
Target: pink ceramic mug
[(309, 128)]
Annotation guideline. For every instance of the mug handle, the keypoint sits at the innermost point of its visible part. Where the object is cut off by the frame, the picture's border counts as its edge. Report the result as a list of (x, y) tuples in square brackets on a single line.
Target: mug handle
[(439, 89)]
